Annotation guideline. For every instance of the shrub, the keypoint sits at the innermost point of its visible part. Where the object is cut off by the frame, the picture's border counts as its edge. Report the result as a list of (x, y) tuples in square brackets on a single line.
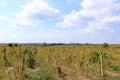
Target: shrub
[(105, 45), (115, 68), (94, 57), (13, 44), (30, 60), (44, 44)]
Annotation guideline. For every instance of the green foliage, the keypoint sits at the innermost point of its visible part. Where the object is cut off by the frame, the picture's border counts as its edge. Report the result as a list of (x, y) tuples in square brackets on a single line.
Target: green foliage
[(44, 45), (16, 44), (105, 45), (10, 45), (107, 56), (13, 45), (39, 75), (94, 57), (69, 59), (30, 59), (75, 61), (115, 68), (6, 62), (45, 75)]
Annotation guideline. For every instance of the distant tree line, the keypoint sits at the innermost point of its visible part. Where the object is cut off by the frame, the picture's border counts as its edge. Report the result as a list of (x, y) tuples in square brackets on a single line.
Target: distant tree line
[(104, 45), (13, 44), (54, 44)]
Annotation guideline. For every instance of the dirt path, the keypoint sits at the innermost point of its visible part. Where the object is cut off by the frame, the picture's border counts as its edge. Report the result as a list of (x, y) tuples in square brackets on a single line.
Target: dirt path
[(78, 75), (112, 74)]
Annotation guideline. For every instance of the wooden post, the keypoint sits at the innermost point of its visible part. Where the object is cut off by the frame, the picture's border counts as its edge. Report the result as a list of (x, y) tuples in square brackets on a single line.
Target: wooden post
[(101, 66), (58, 68), (5, 59), (6, 63), (23, 63), (20, 52)]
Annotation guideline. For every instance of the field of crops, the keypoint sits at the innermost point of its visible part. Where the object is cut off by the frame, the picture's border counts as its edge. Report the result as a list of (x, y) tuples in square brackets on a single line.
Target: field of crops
[(61, 62)]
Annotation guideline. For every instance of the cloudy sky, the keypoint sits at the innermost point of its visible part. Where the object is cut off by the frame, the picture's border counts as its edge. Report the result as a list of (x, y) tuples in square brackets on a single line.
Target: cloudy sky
[(65, 21)]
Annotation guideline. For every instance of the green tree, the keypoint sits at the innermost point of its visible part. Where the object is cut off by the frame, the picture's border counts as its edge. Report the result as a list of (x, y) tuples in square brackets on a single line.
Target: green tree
[(105, 45), (13, 44), (44, 44)]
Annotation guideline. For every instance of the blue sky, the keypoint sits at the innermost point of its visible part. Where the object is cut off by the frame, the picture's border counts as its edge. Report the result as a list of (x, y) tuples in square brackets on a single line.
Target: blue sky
[(63, 21)]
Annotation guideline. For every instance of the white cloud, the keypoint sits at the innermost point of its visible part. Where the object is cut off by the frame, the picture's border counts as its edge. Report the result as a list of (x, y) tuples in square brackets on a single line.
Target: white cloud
[(36, 10), (96, 14), (56, 37), (23, 22), (74, 19), (4, 18), (111, 19), (95, 27)]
